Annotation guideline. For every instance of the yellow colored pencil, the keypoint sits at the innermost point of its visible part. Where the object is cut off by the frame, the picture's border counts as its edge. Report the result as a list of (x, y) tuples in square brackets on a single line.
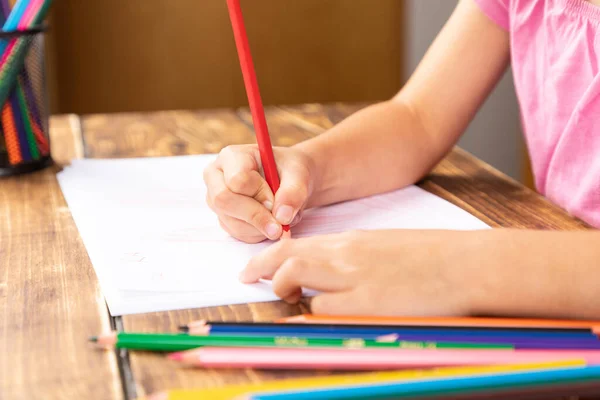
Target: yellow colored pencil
[(231, 392)]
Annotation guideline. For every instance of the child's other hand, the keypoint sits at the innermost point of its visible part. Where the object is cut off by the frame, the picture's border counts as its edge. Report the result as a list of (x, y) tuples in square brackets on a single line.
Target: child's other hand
[(242, 199), (394, 272)]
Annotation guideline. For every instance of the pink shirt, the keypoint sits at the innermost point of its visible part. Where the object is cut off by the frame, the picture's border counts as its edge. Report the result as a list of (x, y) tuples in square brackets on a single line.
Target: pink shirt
[(555, 47)]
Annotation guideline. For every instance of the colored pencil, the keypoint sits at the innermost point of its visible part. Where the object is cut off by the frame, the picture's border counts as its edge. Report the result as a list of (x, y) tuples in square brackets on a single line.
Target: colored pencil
[(369, 359), (5, 8), (565, 390), (33, 113), (26, 14), (274, 328), (205, 327), (457, 385), (11, 135), (20, 128), (26, 121), (517, 339), (179, 342), (254, 99), (21, 122), (518, 342), (511, 323), (231, 391)]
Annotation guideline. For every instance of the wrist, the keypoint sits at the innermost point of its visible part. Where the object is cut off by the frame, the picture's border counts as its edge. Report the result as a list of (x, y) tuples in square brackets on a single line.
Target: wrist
[(321, 173), (497, 267), (475, 273)]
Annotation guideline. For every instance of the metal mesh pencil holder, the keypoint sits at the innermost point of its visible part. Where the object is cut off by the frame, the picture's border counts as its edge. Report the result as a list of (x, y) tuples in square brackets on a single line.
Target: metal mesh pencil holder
[(24, 116)]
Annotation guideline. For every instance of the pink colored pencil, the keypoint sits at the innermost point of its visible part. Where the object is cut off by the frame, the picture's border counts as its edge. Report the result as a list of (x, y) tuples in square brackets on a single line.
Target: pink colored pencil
[(29, 16), (368, 359), (25, 23)]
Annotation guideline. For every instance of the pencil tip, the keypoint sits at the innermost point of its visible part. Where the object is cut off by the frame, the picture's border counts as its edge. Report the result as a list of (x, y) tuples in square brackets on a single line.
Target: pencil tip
[(184, 328), (392, 337), (201, 330), (93, 339), (295, 318)]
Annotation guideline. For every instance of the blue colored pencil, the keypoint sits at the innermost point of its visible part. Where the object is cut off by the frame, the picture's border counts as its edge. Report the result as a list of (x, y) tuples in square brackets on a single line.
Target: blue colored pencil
[(302, 329), (447, 386), (20, 128), (581, 339), (12, 21)]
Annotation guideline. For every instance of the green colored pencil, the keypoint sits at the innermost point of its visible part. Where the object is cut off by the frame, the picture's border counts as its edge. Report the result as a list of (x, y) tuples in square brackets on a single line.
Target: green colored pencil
[(16, 59), (35, 154), (181, 342)]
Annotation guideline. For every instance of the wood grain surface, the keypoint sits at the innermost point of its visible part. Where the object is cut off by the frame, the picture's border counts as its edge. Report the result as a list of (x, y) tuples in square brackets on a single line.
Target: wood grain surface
[(50, 301), (461, 179)]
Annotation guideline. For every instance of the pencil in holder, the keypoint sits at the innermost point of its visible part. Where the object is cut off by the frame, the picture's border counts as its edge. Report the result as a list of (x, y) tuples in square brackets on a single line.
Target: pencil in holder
[(24, 116)]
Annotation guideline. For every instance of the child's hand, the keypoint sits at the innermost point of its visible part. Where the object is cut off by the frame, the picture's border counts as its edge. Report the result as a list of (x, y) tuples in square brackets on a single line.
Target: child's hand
[(241, 197), (390, 272)]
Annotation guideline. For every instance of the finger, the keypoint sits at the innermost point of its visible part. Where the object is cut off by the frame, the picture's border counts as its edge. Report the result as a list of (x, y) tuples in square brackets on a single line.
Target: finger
[(241, 172), (241, 230), (297, 219), (297, 273), (266, 263), (342, 303), (244, 208), (292, 194), (288, 234)]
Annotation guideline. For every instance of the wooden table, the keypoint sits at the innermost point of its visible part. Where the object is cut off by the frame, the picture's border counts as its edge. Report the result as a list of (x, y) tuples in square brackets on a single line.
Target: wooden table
[(50, 301)]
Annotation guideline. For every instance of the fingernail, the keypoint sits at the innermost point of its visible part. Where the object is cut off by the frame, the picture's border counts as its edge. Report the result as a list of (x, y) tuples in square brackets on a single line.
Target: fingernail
[(284, 215), (296, 219), (273, 230), (268, 205)]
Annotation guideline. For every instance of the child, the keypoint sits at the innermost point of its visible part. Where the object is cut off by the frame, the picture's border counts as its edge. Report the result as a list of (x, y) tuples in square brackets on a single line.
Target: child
[(554, 48)]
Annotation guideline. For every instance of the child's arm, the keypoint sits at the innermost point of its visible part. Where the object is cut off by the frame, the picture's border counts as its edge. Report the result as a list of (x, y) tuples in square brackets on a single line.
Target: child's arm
[(384, 147), (395, 143), (497, 272)]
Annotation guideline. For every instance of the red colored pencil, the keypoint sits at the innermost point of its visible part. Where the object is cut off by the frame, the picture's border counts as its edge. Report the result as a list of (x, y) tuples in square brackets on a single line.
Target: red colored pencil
[(254, 99)]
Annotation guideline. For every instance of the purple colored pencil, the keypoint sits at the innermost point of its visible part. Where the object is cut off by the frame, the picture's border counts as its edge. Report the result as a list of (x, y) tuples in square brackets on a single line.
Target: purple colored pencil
[(30, 97), (5, 8)]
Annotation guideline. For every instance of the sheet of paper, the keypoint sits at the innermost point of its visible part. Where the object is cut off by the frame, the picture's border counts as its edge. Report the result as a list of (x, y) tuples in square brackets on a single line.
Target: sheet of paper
[(156, 246)]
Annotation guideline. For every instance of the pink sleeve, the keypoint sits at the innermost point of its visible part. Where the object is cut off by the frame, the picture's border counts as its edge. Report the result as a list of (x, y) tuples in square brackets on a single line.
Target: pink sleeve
[(496, 10)]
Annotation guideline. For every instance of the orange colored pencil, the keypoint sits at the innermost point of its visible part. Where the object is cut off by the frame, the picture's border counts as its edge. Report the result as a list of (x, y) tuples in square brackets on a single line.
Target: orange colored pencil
[(10, 135), (445, 321)]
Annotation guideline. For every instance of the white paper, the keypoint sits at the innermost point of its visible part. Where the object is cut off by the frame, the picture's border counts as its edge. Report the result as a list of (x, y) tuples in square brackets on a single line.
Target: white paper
[(155, 244)]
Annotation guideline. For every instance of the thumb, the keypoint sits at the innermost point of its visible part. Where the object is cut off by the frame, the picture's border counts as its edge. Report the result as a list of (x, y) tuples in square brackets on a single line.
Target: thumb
[(292, 195)]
